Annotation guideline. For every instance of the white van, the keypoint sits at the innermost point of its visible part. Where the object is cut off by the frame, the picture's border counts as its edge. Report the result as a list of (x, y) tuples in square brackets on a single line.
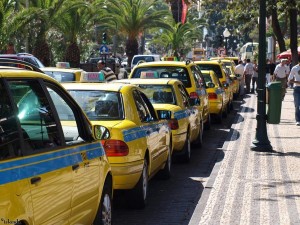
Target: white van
[(146, 58)]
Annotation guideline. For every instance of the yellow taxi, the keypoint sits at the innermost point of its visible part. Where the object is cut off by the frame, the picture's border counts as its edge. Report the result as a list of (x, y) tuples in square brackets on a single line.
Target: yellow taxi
[(53, 167), (219, 68), (171, 100), (139, 143), (235, 59), (230, 66), (216, 95), (63, 73), (187, 72)]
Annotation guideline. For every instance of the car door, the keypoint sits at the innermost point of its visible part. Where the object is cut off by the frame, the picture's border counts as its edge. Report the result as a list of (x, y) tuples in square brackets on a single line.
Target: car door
[(48, 165), (85, 170), (14, 188), (150, 129)]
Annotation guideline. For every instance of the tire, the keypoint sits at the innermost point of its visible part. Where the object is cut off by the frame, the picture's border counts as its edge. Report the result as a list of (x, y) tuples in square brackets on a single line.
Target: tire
[(187, 149), (165, 173), (104, 213), (140, 192), (207, 123), (199, 141)]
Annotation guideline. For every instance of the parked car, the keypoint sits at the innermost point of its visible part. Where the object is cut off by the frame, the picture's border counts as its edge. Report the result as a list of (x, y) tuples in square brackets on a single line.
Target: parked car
[(144, 58), (24, 57), (216, 95), (53, 167), (139, 145), (220, 69), (171, 100), (187, 72)]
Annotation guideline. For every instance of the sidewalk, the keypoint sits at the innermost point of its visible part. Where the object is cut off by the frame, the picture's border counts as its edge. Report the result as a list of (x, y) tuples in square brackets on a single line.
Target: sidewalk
[(248, 187)]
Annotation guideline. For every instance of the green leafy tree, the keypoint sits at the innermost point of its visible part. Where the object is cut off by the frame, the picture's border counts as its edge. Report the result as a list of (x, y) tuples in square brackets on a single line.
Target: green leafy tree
[(133, 17)]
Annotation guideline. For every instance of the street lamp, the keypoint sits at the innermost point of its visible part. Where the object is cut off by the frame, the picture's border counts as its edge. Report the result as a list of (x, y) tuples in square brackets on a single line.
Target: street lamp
[(261, 141), (226, 35)]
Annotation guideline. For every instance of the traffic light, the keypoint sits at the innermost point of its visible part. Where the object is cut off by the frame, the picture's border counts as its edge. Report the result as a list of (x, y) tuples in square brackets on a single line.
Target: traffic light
[(104, 36)]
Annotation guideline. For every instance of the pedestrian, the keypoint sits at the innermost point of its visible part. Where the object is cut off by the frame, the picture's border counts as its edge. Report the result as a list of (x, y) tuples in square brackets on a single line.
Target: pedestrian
[(109, 75), (280, 74), (248, 72), (294, 78), (268, 71), (254, 76), (239, 71)]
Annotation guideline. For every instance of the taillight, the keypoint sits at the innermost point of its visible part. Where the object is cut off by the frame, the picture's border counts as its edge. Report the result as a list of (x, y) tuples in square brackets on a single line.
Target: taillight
[(115, 147), (173, 124), (212, 96), (194, 95)]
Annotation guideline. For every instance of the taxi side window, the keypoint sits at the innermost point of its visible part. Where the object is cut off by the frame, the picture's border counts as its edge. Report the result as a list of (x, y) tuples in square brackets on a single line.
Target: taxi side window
[(9, 135), (142, 109), (67, 118), (149, 105), (184, 95), (35, 115), (197, 77)]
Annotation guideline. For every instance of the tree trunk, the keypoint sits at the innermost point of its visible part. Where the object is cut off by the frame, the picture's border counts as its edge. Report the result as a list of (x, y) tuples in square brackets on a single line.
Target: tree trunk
[(132, 46), (176, 8), (276, 27), (293, 30)]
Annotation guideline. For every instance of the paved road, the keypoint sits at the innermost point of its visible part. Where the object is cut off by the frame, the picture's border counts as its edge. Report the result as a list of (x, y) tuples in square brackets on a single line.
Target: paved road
[(173, 201)]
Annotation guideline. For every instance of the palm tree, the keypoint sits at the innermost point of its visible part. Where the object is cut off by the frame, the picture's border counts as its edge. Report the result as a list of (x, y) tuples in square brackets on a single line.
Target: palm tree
[(41, 16), (74, 23), (133, 17)]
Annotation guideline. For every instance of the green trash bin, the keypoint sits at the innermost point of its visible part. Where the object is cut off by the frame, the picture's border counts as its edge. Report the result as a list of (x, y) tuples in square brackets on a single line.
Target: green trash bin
[(274, 100)]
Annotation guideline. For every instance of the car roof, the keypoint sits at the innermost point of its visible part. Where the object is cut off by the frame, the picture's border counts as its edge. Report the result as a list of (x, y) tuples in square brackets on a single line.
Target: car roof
[(164, 63), (72, 70), (170, 81), (11, 72), (208, 62), (117, 87)]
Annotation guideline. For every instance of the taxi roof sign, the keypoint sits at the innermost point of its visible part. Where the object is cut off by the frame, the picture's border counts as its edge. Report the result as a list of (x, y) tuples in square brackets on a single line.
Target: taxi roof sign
[(92, 77), (63, 65), (149, 74)]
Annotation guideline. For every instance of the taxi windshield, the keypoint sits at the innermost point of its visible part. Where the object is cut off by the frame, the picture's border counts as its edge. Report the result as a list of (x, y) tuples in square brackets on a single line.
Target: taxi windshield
[(99, 104), (176, 72), (159, 94)]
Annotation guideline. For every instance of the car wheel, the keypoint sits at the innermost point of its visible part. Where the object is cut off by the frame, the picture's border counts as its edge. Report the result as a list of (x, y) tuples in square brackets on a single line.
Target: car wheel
[(199, 141), (104, 213), (187, 149), (207, 123), (140, 192), (165, 173)]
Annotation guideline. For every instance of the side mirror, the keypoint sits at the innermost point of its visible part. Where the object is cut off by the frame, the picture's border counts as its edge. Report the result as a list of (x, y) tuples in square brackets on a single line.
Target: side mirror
[(101, 132), (163, 114), (210, 85)]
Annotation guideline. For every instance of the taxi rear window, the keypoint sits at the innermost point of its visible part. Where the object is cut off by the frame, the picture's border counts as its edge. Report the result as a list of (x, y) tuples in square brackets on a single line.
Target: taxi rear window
[(215, 68), (99, 104), (61, 76), (179, 73), (159, 94)]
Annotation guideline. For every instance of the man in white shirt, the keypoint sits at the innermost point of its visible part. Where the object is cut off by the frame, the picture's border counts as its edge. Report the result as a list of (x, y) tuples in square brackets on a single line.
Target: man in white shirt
[(239, 71), (294, 78), (248, 73), (280, 74)]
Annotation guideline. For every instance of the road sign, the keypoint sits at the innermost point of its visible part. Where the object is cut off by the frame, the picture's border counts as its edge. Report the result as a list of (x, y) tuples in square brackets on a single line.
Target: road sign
[(221, 51), (103, 49)]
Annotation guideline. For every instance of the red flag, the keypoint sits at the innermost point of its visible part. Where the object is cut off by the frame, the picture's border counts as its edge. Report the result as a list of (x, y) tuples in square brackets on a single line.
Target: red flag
[(184, 12)]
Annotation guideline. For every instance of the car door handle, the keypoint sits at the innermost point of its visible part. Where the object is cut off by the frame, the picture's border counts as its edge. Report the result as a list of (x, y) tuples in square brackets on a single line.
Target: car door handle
[(75, 167), (35, 180)]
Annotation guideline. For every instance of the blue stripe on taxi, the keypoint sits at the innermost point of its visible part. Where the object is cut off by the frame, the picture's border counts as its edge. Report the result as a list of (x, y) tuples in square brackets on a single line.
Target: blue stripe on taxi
[(26, 167)]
